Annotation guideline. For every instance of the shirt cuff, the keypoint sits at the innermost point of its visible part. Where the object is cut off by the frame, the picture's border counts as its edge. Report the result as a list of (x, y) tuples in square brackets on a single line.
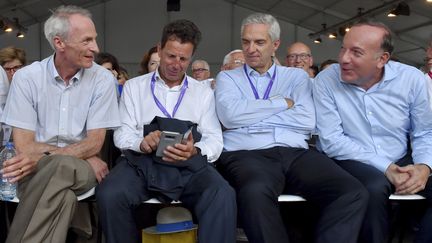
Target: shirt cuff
[(136, 146), (381, 163), (419, 159), (279, 103), (205, 151)]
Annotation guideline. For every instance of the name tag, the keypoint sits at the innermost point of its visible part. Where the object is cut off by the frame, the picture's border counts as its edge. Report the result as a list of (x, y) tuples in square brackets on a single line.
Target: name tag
[(256, 130)]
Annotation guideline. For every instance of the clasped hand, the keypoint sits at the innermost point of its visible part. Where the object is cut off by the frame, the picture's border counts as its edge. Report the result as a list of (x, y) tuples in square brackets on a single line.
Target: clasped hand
[(408, 179)]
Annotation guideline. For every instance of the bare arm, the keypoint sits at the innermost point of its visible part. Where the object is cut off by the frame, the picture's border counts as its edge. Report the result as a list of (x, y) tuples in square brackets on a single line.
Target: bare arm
[(30, 152), (86, 148)]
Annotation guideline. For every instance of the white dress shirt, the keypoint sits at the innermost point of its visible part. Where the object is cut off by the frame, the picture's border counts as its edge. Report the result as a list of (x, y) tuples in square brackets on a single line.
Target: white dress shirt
[(4, 88), (138, 108), (60, 115)]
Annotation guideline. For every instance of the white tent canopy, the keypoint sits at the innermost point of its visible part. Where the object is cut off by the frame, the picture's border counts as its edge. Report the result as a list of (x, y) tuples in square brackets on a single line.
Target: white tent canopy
[(128, 28)]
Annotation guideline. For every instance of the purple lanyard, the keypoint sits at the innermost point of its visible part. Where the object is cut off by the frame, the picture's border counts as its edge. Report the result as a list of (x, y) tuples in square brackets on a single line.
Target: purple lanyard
[(180, 98), (267, 92)]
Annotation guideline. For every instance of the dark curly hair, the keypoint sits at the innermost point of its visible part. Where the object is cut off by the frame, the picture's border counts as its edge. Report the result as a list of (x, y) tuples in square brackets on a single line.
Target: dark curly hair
[(183, 30), (103, 57)]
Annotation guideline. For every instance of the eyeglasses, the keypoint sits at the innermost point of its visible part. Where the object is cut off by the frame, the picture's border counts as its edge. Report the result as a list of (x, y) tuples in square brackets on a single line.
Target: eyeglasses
[(238, 62), (302, 56), (199, 70), (14, 68)]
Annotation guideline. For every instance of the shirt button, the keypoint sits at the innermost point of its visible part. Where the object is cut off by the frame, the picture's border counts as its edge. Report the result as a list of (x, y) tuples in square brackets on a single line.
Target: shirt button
[(370, 113), (379, 146), (63, 109)]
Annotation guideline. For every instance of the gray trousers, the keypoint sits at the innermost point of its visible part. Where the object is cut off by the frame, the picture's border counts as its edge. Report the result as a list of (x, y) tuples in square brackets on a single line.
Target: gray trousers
[(48, 199)]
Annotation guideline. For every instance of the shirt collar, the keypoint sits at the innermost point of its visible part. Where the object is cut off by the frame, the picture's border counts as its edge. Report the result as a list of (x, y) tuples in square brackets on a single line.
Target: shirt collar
[(160, 81), (52, 69), (268, 73)]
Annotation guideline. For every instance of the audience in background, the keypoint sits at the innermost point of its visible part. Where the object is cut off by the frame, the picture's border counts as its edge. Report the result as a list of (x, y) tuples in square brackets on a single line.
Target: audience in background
[(299, 55), (123, 76), (150, 61), (313, 71), (375, 121), (268, 113), (327, 63), (233, 60), (4, 88), (12, 59), (200, 70), (109, 62)]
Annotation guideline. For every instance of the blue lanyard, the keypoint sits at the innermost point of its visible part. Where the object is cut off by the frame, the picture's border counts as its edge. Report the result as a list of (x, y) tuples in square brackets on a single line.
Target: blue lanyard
[(267, 92), (159, 105)]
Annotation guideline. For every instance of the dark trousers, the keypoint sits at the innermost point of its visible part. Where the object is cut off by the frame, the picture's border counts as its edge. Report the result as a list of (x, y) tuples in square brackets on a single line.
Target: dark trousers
[(207, 195), (375, 228), (260, 176)]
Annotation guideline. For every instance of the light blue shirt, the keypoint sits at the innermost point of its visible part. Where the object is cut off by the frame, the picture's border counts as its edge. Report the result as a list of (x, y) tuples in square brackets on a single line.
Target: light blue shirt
[(256, 123), (374, 126), (60, 115)]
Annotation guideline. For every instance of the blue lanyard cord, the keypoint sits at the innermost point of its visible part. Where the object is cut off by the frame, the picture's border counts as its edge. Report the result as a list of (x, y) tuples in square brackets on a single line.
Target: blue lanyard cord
[(267, 92), (159, 105)]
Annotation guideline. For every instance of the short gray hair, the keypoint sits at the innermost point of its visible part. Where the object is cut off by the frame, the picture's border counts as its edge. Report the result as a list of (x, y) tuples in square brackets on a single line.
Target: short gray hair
[(227, 57), (262, 18), (205, 63), (58, 23)]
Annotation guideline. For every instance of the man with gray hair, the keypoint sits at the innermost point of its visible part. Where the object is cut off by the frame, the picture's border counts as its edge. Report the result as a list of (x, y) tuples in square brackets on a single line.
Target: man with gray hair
[(200, 70), (268, 113), (59, 109), (233, 60)]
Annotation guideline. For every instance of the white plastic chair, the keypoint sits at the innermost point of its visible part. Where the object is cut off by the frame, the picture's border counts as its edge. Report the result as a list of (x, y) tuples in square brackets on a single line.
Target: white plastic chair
[(83, 196)]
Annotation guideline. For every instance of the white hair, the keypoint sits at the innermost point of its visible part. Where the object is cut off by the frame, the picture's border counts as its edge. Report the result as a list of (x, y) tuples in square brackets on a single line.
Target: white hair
[(227, 58), (262, 18), (206, 65), (58, 23)]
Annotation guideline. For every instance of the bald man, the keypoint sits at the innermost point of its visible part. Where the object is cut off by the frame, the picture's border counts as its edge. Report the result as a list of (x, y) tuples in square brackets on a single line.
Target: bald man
[(299, 55)]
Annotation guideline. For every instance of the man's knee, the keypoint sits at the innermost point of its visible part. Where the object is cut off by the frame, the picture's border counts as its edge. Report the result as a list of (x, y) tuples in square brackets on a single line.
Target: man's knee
[(256, 195), (378, 187), (109, 193)]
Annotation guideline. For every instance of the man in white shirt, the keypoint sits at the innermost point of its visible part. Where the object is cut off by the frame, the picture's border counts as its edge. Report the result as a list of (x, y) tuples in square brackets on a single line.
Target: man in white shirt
[(178, 102), (59, 109)]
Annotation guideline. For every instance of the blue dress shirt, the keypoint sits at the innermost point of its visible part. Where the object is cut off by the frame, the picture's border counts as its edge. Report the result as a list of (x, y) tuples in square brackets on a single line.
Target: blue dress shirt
[(374, 126), (256, 123)]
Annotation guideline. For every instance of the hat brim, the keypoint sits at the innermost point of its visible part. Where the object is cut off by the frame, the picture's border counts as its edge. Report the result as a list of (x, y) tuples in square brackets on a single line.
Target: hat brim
[(152, 230)]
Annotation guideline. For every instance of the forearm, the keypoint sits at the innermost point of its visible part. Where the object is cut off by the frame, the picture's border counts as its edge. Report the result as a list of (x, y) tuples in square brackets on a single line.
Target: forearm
[(86, 148), (239, 113)]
